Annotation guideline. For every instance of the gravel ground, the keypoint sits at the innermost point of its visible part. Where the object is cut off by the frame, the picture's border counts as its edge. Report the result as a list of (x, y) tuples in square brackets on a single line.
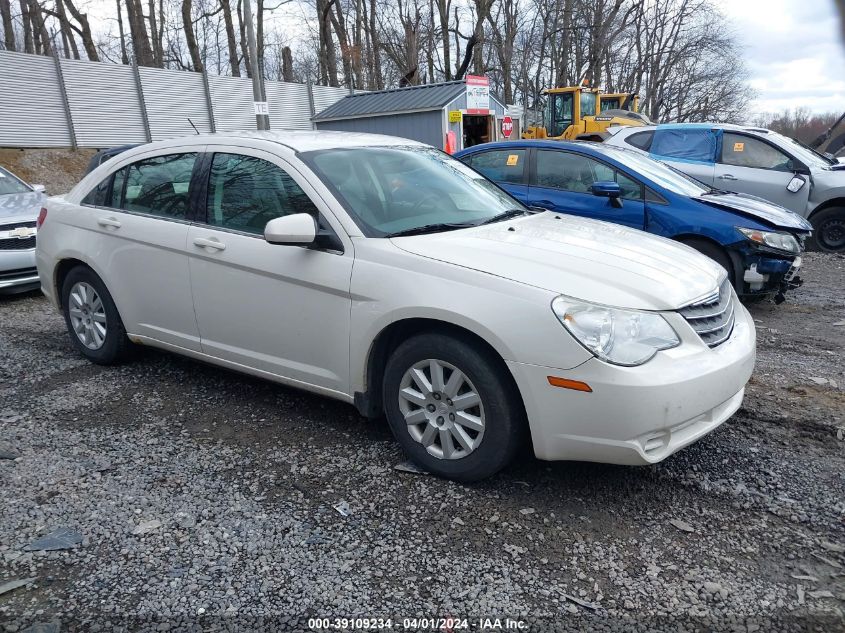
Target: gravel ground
[(205, 500)]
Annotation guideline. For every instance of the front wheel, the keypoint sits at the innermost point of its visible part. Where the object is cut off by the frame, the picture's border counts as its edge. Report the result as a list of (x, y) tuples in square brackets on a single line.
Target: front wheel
[(452, 407), (828, 230)]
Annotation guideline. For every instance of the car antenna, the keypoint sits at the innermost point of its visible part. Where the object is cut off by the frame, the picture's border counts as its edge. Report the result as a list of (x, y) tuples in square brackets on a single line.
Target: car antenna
[(193, 126)]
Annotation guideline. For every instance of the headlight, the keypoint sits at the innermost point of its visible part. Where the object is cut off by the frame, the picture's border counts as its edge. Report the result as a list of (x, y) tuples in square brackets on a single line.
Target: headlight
[(781, 241), (621, 337)]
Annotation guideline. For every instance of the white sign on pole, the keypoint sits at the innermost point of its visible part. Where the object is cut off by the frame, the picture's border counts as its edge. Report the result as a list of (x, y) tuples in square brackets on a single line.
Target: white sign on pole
[(261, 107)]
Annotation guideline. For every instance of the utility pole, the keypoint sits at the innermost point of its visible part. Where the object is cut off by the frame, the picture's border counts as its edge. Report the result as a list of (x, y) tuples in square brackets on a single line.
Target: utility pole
[(262, 121)]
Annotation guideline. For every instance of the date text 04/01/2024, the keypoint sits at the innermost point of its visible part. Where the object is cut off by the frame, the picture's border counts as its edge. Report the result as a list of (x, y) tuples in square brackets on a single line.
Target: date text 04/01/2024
[(446, 624)]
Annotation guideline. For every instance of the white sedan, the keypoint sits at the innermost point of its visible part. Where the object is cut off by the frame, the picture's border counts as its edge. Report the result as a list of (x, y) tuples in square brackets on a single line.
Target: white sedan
[(384, 273)]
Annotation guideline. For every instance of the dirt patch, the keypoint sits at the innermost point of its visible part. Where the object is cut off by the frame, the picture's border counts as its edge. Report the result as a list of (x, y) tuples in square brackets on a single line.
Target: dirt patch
[(57, 169)]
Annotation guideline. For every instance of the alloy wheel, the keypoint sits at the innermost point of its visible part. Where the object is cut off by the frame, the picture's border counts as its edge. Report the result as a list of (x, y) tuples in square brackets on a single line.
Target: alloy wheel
[(87, 315), (442, 408)]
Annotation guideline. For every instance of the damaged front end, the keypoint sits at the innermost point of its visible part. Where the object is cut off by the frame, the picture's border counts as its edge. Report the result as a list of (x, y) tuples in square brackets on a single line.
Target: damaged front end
[(766, 271)]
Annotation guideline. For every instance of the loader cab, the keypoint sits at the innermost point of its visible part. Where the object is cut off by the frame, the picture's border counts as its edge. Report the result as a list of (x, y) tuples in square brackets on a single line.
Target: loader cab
[(566, 106)]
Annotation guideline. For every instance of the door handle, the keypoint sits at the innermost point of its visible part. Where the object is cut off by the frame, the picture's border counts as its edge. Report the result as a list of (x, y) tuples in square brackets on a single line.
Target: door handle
[(108, 222), (210, 243), (543, 204), (728, 177)]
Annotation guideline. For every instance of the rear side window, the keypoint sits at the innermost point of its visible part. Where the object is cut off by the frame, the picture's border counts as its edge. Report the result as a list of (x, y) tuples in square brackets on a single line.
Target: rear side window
[(156, 186), (695, 145), (500, 165), (746, 151), (98, 196), (245, 193), (640, 140)]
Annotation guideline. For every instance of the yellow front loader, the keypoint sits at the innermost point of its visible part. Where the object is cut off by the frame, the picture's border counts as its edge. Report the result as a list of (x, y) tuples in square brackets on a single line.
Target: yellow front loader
[(585, 113)]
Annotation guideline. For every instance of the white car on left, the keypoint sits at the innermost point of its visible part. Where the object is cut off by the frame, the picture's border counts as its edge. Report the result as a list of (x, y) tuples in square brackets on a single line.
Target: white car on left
[(20, 205)]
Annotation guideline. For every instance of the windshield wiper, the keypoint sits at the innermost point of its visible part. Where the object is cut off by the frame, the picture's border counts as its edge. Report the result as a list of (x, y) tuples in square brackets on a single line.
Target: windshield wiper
[(506, 215), (431, 228)]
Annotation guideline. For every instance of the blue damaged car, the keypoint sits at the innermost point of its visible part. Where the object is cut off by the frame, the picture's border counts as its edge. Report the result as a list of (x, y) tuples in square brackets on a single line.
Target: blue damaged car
[(759, 243)]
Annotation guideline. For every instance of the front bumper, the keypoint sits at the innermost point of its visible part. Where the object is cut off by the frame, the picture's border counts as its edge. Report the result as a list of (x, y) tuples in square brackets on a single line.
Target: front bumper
[(17, 271), (764, 272), (639, 415)]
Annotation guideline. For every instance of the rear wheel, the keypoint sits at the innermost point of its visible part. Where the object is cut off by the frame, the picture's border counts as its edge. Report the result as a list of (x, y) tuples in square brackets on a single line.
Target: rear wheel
[(716, 253), (828, 230), (451, 407), (92, 319)]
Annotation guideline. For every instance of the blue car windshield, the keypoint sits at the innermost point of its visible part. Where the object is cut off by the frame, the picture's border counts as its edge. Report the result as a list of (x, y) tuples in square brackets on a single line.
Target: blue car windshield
[(659, 173), (9, 184)]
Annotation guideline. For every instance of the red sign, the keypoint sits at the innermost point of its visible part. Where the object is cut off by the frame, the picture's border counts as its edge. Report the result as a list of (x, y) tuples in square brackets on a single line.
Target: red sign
[(507, 127), (478, 94)]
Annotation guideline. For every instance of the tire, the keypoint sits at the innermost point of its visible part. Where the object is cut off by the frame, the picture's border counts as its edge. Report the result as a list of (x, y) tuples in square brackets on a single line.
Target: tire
[(717, 254), (104, 343), (488, 448), (828, 230)]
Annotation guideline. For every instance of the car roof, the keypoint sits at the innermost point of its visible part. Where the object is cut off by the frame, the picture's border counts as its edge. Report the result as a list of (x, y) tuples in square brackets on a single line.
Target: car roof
[(298, 141), (731, 127), (585, 147)]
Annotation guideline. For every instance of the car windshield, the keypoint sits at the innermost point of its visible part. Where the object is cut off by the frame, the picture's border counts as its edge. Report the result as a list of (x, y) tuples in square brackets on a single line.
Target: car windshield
[(806, 154), (390, 190), (9, 184), (659, 173)]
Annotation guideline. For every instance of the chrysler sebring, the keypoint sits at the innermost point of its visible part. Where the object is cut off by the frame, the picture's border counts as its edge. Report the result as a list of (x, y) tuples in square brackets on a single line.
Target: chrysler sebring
[(386, 274)]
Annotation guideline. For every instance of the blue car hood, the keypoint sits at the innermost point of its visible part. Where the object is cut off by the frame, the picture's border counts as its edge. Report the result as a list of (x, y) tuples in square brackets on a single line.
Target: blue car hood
[(756, 208)]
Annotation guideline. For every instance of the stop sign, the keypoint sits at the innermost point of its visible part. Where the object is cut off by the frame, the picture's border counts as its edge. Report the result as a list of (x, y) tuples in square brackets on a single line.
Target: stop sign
[(507, 127)]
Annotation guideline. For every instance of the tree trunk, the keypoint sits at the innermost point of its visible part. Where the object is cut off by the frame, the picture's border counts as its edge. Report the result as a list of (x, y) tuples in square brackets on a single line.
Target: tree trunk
[(140, 38), (287, 64), (28, 41), (328, 56), (244, 44), (375, 40), (43, 44), (8, 26), (123, 54), (190, 37), (68, 37), (230, 38), (443, 12)]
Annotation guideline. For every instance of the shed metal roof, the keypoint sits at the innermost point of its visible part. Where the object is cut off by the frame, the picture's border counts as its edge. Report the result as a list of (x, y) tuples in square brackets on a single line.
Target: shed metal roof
[(410, 99)]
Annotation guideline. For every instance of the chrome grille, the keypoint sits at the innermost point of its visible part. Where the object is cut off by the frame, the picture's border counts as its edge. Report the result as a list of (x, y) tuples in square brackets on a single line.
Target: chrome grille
[(713, 317), (8, 242)]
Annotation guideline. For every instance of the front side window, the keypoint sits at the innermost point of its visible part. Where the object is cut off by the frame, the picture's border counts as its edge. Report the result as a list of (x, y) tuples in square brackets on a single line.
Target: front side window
[(588, 103), (388, 190), (685, 144), (245, 193), (500, 165), (10, 184), (157, 186), (746, 151), (577, 173)]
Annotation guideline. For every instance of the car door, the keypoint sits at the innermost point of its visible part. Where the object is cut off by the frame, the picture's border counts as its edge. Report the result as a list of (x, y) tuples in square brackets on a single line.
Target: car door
[(690, 149), (139, 225), (561, 181), (505, 167), (748, 164), (275, 308)]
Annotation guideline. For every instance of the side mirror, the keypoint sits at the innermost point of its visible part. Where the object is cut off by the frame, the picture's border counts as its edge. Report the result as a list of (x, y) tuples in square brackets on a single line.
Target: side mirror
[(606, 189), (39, 188), (299, 228), (795, 184)]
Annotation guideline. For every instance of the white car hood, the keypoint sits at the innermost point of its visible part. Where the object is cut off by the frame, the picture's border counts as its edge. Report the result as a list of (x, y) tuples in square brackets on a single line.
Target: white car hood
[(586, 259)]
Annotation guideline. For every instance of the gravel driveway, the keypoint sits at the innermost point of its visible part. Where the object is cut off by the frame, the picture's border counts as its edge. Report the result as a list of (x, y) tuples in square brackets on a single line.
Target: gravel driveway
[(202, 499)]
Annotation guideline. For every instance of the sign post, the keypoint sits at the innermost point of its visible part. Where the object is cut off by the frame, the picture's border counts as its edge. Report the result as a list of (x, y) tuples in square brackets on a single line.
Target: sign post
[(507, 126)]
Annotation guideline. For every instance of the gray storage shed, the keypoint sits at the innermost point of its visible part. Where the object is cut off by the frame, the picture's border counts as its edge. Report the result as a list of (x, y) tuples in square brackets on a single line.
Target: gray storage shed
[(423, 113)]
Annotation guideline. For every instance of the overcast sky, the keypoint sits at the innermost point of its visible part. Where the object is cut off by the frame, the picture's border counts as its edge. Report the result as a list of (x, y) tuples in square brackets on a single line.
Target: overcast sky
[(794, 52)]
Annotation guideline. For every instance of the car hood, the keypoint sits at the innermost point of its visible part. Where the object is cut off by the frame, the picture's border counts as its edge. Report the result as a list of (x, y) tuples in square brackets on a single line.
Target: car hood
[(586, 259), (20, 207), (756, 208)]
